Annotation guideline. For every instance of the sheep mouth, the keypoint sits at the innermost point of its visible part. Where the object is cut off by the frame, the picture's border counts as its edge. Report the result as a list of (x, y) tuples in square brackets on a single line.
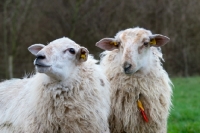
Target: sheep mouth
[(42, 65), (38, 63), (131, 72)]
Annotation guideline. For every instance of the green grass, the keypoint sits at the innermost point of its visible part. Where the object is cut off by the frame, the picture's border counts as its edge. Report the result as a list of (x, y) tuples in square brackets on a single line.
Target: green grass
[(185, 114)]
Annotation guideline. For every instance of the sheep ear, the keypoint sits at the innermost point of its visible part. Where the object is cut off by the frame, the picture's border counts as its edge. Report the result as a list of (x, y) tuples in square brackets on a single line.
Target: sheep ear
[(82, 54), (107, 44), (158, 40), (35, 48)]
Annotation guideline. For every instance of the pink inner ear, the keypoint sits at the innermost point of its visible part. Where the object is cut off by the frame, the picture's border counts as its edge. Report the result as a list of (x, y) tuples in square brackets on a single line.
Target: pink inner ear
[(160, 40), (34, 49), (84, 51), (37, 49), (106, 44)]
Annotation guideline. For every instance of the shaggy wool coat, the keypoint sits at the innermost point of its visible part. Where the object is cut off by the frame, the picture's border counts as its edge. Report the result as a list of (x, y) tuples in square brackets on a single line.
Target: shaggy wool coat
[(153, 89), (40, 104)]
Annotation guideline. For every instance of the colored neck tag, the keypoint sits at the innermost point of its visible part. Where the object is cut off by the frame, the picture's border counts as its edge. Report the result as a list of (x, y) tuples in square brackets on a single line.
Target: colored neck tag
[(153, 42), (140, 106)]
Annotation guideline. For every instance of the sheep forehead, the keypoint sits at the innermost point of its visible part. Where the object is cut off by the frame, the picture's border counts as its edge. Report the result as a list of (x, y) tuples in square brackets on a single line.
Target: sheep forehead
[(62, 44), (133, 36)]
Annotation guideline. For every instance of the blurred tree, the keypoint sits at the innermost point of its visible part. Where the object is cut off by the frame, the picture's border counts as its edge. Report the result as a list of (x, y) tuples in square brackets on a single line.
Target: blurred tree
[(15, 14), (87, 21)]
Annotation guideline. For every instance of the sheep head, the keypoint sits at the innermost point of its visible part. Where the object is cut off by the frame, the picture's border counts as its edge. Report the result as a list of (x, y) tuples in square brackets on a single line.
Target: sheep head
[(59, 58), (134, 47)]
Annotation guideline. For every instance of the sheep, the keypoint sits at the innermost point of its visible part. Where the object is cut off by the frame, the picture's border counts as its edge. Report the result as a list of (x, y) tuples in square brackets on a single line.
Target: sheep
[(68, 93), (140, 88)]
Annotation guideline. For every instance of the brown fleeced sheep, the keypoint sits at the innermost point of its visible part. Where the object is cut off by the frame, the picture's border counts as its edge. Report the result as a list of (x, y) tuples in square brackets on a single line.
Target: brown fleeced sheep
[(68, 94), (140, 87)]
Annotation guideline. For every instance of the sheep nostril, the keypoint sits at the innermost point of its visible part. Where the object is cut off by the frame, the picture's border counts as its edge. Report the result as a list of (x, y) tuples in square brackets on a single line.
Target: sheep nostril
[(127, 66), (41, 56)]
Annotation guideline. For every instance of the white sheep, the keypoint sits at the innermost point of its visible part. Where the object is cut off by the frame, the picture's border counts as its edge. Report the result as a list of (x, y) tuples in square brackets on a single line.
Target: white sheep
[(140, 87), (67, 94)]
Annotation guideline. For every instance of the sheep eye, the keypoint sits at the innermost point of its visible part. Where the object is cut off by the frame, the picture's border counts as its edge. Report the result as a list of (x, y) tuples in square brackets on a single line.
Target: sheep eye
[(146, 44), (72, 51)]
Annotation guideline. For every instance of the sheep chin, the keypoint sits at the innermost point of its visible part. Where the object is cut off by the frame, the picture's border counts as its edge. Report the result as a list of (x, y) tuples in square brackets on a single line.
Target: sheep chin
[(42, 69)]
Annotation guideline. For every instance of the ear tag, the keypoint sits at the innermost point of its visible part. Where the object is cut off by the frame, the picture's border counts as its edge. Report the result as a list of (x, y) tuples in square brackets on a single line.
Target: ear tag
[(153, 41), (114, 43), (83, 55)]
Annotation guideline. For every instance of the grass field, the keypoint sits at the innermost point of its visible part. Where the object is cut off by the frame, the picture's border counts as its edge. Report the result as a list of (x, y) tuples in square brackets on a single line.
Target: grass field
[(185, 114)]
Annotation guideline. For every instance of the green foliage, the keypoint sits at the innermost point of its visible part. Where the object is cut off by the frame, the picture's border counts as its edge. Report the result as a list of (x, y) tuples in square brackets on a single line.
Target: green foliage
[(185, 113)]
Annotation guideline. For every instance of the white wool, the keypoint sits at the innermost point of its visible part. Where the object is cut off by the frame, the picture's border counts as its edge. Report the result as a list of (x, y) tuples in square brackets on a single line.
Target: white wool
[(150, 84), (78, 104)]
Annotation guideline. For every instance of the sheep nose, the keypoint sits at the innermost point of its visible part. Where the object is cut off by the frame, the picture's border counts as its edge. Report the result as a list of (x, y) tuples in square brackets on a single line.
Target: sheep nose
[(40, 62), (40, 56), (127, 67)]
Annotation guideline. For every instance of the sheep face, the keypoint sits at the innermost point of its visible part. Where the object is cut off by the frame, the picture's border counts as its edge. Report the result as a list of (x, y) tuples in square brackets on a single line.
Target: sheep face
[(133, 48), (59, 58)]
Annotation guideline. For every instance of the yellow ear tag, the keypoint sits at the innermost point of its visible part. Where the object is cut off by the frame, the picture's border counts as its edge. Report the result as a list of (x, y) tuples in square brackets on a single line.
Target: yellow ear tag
[(83, 56), (153, 42), (114, 43)]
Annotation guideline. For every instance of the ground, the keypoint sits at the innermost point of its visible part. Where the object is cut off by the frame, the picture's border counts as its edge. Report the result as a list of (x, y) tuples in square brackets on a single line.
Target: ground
[(185, 113)]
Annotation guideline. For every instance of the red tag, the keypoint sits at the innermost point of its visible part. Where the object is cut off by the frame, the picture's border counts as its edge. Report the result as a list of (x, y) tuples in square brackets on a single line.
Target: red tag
[(144, 116)]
